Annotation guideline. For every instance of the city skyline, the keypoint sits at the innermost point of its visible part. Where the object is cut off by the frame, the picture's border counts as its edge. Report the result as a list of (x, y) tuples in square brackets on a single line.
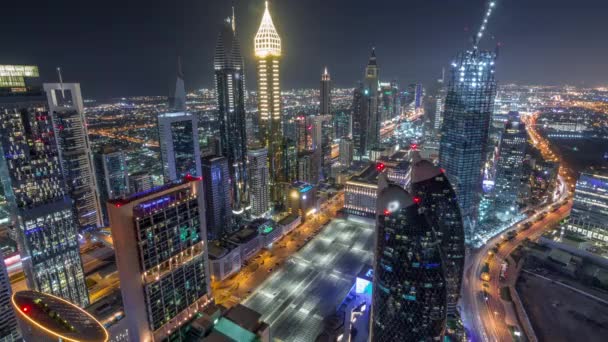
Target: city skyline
[(533, 51)]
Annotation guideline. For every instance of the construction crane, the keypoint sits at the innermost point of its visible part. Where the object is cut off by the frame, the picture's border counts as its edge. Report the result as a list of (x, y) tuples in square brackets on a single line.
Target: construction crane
[(484, 23)]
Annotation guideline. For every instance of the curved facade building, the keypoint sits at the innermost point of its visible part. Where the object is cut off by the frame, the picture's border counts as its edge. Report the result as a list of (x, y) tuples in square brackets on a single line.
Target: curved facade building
[(409, 292), (440, 206), (44, 317)]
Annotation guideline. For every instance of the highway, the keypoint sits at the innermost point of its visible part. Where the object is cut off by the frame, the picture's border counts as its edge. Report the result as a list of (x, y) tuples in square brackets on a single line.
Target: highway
[(234, 289), (484, 315)]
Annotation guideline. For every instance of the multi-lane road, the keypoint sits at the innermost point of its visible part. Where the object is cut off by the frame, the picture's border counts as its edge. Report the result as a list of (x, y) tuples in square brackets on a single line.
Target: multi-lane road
[(484, 313)]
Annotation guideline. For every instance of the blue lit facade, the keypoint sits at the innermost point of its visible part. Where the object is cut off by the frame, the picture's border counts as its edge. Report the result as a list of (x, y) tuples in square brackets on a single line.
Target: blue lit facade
[(466, 121), (216, 184), (589, 215), (409, 287)]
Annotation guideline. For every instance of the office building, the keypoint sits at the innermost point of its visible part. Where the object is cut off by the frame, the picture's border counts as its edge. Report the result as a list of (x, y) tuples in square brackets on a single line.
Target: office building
[(306, 164), (303, 130), (258, 175), (466, 122), (161, 254), (409, 287), (439, 103), (510, 168), (366, 117), (589, 215), (179, 145), (216, 185), (346, 149), (69, 124), (342, 124), (230, 86), (439, 205), (112, 176), (325, 94), (302, 200), (140, 182), (8, 322), (418, 96), (267, 48), (322, 130), (33, 182), (44, 317), (390, 102)]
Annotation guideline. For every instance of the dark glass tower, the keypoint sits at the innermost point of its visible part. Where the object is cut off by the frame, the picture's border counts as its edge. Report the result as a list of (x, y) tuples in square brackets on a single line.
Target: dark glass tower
[(216, 185), (466, 122), (440, 206), (366, 114), (360, 120), (409, 292), (230, 86), (325, 94)]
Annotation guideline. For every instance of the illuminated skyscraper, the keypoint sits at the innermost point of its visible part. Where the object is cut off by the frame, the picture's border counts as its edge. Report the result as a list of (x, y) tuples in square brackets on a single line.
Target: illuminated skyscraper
[(325, 94), (409, 290), (179, 145), (161, 253), (469, 103), (440, 206), (259, 187), (230, 85), (267, 45), (365, 111), (70, 128), (216, 184), (510, 167), (371, 83), (466, 122), (33, 181)]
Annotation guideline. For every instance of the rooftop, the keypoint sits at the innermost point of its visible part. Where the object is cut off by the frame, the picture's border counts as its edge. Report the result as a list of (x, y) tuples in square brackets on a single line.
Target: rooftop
[(58, 317)]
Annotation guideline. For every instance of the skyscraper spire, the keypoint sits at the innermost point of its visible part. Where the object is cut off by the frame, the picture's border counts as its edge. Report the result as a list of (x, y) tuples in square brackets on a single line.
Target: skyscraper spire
[(179, 100), (372, 57), (267, 40), (233, 21)]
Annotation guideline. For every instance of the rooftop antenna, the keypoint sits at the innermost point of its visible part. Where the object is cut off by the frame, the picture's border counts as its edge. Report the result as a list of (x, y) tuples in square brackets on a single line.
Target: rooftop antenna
[(60, 82), (484, 23)]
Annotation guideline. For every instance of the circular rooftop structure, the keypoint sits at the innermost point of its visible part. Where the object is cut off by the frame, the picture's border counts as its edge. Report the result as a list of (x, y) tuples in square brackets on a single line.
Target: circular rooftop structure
[(57, 318)]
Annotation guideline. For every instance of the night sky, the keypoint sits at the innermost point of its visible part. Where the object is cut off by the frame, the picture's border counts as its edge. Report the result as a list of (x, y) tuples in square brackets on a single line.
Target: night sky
[(121, 48)]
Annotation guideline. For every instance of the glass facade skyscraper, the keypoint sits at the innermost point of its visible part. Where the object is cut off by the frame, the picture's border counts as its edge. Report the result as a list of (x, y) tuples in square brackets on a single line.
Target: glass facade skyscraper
[(112, 176), (466, 121), (510, 167), (409, 287), (589, 215), (230, 86), (8, 322), (35, 189), (70, 129), (179, 145), (161, 253), (440, 206), (258, 172), (216, 184), (325, 94)]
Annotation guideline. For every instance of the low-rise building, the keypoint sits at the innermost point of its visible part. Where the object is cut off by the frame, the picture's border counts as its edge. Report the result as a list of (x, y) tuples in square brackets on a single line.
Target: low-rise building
[(248, 240), (224, 259)]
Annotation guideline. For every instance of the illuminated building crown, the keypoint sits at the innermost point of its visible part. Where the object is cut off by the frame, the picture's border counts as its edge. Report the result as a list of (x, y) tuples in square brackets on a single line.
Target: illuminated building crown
[(267, 41)]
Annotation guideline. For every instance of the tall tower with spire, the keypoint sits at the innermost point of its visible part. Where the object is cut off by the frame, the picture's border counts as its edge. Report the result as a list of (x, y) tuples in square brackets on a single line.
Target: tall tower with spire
[(325, 94), (230, 86), (267, 45), (179, 99), (371, 89)]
